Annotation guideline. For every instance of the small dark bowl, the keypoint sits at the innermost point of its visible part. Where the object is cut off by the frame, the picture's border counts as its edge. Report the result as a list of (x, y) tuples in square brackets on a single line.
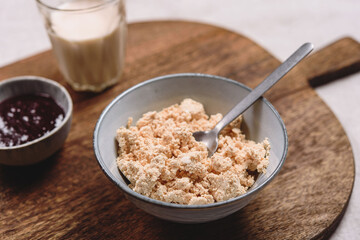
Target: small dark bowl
[(43, 147)]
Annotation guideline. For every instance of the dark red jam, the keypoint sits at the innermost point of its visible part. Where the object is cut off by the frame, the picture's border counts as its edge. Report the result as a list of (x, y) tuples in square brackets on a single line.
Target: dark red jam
[(27, 117)]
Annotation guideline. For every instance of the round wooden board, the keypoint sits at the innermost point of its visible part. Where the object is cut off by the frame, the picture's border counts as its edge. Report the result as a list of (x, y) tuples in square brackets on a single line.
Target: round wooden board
[(69, 197)]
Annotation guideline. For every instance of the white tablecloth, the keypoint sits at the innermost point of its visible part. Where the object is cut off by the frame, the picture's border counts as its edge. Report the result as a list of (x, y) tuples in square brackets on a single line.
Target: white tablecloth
[(279, 25)]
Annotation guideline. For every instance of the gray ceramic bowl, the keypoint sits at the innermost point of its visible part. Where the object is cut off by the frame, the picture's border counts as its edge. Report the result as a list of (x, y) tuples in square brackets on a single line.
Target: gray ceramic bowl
[(43, 147), (218, 95)]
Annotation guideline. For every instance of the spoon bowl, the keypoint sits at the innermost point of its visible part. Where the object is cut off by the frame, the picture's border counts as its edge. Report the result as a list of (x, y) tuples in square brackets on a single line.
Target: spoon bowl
[(210, 138)]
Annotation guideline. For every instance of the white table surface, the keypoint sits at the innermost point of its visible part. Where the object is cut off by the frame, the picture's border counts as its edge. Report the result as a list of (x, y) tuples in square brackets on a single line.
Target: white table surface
[(279, 25)]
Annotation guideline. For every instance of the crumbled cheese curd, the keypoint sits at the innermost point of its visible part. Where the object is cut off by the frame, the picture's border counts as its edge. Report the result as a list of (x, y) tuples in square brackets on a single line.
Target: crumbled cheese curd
[(163, 161)]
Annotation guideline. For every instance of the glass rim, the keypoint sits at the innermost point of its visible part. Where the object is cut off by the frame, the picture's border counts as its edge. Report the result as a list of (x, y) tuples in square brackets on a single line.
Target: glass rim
[(99, 5)]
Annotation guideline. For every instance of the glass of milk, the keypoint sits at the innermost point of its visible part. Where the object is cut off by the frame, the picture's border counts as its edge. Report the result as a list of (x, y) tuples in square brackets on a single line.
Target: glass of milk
[(88, 39)]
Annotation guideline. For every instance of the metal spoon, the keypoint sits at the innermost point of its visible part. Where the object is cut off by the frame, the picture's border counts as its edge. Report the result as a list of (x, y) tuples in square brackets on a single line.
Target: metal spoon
[(210, 138)]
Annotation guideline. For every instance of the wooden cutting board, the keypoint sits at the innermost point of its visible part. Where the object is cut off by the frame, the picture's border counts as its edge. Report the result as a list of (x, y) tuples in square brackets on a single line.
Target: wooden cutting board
[(69, 197)]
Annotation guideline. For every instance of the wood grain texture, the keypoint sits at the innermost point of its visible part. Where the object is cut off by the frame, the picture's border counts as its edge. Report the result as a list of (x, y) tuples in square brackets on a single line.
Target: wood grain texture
[(69, 197)]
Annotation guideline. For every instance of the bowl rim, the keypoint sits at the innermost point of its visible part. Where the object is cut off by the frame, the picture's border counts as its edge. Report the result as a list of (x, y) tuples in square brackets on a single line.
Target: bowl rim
[(141, 197), (15, 80)]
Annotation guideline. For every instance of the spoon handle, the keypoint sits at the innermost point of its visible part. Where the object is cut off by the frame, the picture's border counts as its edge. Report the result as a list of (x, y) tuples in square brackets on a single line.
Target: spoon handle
[(265, 85)]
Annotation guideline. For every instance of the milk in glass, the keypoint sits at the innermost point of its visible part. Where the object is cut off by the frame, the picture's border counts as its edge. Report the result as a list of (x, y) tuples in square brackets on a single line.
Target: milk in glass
[(88, 39)]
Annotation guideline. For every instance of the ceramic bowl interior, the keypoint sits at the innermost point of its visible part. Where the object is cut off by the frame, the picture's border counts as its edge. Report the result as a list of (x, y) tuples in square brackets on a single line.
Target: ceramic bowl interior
[(43, 147), (218, 95)]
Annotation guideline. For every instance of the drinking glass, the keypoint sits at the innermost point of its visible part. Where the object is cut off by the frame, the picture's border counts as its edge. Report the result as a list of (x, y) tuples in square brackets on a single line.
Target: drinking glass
[(88, 39)]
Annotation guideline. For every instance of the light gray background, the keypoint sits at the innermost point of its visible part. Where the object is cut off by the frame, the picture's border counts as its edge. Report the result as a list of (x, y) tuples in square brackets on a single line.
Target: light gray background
[(280, 26)]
